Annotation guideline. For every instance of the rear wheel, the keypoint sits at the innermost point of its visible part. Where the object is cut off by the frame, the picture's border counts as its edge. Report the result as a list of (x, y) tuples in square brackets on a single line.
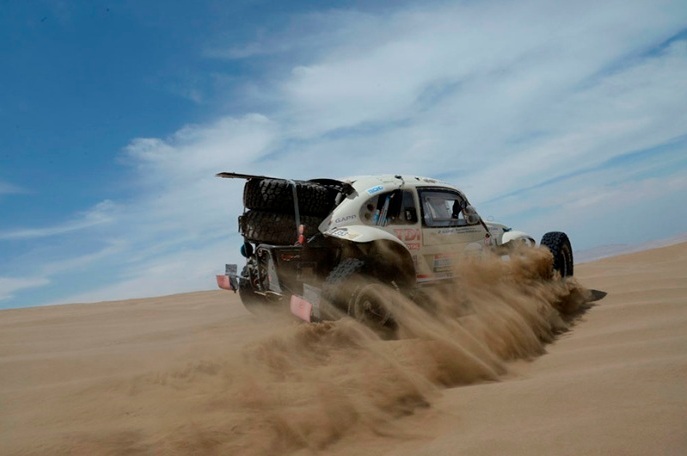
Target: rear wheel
[(350, 290), (253, 302), (561, 249), (369, 304)]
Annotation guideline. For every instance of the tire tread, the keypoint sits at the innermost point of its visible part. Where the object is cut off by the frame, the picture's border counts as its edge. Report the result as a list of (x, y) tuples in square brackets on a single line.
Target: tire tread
[(558, 242), (275, 228), (276, 195)]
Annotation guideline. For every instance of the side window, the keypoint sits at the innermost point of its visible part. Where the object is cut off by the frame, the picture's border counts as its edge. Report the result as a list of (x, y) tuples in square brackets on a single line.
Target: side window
[(443, 208), (391, 208)]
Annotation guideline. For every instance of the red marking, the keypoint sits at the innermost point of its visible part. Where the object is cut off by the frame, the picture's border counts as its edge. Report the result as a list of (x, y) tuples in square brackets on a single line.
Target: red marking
[(224, 283), (301, 308), (408, 234), (301, 235)]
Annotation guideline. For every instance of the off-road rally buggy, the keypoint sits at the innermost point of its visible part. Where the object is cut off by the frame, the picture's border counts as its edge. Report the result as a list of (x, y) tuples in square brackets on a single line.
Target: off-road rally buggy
[(324, 247)]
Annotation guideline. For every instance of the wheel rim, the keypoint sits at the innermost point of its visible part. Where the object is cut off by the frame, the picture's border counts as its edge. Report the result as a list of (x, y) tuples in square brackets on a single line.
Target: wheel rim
[(368, 305)]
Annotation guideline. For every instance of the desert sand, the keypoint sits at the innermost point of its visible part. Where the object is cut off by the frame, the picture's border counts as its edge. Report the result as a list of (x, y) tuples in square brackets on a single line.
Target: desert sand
[(500, 372)]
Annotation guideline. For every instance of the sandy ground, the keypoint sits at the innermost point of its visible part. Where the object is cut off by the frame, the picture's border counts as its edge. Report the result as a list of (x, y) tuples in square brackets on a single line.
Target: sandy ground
[(197, 374)]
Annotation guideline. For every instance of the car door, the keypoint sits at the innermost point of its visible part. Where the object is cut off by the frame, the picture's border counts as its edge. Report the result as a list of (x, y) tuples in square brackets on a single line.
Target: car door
[(447, 233)]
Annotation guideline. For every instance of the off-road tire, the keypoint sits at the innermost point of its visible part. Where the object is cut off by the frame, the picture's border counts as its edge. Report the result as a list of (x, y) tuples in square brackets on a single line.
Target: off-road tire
[(350, 290), (561, 249), (276, 195), (334, 288), (274, 228), (251, 300)]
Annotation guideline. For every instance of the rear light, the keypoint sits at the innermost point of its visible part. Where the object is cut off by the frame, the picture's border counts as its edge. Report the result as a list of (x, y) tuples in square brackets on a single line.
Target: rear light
[(301, 235)]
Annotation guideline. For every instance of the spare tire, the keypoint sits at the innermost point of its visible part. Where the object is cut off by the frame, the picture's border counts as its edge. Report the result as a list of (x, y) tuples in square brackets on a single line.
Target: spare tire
[(559, 245), (274, 228), (276, 195)]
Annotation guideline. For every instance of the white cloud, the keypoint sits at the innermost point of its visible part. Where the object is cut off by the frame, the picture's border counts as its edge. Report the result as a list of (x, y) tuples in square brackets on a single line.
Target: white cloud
[(527, 51), (624, 112), (504, 99), (102, 213), (178, 230), (82, 262), (10, 285), (168, 273)]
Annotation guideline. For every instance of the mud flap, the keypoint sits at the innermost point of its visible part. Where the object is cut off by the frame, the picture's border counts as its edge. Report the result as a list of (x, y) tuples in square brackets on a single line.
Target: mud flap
[(228, 280), (307, 307)]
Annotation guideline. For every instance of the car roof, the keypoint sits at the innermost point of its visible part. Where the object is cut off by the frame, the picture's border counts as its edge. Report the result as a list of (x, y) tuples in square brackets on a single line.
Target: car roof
[(369, 181)]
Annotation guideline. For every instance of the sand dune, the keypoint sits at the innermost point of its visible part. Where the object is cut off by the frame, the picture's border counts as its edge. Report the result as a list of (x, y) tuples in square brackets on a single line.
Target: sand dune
[(514, 365)]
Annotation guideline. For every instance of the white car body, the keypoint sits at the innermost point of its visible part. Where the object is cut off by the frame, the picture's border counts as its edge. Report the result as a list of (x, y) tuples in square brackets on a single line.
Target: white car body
[(434, 242)]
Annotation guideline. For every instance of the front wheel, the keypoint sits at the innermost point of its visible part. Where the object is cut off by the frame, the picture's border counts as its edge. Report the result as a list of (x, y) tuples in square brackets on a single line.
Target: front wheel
[(561, 249)]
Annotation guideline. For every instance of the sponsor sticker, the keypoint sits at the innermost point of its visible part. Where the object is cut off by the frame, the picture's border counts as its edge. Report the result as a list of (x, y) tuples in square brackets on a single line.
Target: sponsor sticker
[(341, 232), (442, 263), (461, 229), (347, 218), (408, 234), (289, 256), (375, 189)]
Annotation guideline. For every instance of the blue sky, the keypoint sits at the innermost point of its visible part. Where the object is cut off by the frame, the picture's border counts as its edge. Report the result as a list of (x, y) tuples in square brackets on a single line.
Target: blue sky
[(115, 116)]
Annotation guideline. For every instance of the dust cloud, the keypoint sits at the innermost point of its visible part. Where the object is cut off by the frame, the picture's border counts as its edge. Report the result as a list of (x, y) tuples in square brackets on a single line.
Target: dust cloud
[(301, 387)]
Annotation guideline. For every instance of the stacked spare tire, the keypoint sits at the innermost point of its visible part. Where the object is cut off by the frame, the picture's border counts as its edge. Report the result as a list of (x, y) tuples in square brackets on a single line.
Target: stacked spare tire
[(271, 213)]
